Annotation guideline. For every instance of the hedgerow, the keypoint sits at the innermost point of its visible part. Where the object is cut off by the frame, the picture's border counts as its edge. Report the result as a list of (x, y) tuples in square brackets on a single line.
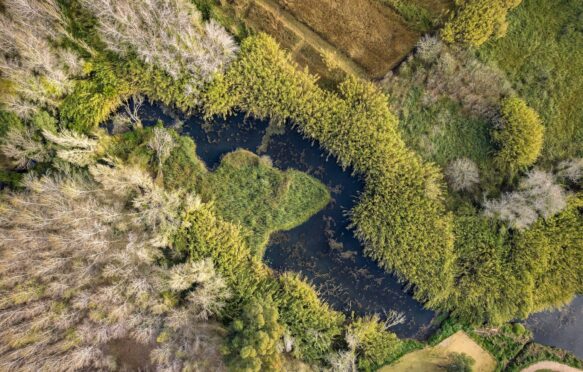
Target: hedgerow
[(400, 216)]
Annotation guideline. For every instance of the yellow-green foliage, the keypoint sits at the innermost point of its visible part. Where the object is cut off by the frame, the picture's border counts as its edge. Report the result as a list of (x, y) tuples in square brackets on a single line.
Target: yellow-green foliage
[(520, 135), (551, 251), (501, 277), (254, 337), (400, 216), (375, 345), (490, 288), (247, 190), (476, 21), (110, 81), (94, 98), (310, 322)]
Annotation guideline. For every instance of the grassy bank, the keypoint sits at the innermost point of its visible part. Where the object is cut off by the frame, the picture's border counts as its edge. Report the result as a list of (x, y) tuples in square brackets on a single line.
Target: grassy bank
[(542, 55)]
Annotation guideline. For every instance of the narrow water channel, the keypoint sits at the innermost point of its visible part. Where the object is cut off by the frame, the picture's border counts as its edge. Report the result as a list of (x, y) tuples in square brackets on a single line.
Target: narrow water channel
[(323, 249)]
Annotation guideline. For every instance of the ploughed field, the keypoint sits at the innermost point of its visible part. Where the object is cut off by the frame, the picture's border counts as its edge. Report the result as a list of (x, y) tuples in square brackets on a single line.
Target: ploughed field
[(366, 38), (323, 248)]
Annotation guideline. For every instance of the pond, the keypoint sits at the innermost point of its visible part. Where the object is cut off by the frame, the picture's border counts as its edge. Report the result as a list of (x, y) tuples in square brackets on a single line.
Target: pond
[(323, 249), (560, 328)]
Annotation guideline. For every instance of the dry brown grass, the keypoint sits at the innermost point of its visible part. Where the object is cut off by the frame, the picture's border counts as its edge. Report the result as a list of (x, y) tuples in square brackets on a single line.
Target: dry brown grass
[(462, 343), (433, 359), (371, 34)]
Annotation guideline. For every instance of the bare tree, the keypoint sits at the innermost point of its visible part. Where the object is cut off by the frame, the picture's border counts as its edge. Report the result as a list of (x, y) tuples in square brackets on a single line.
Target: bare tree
[(133, 110), (169, 34), (537, 196), (393, 318), (462, 174), (39, 72), (162, 143), (75, 261), (571, 170), (21, 146)]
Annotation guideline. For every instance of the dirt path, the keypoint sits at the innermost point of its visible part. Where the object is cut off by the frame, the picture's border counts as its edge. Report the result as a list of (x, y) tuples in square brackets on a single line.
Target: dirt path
[(551, 366), (310, 37)]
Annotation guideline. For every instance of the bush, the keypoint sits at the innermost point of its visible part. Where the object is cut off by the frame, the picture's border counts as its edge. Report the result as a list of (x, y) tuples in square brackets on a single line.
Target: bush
[(460, 362), (375, 345), (462, 174), (476, 21), (254, 337), (519, 135)]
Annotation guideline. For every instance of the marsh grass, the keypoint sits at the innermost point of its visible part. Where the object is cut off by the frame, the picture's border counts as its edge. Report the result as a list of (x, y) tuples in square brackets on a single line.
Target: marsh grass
[(247, 190), (542, 55)]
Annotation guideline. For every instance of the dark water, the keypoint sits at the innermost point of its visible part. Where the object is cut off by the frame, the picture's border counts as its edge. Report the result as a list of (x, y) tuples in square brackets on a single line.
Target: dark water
[(561, 328), (322, 249)]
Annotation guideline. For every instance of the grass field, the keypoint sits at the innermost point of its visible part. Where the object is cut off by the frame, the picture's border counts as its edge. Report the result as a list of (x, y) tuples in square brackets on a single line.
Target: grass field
[(435, 358), (542, 54)]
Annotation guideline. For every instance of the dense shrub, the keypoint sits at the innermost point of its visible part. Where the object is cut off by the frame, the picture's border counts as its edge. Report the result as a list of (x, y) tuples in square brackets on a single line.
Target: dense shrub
[(374, 344), (476, 21), (550, 252), (502, 276), (400, 214), (255, 336), (489, 288), (95, 97), (312, 323), (459, 362), (519, 135)]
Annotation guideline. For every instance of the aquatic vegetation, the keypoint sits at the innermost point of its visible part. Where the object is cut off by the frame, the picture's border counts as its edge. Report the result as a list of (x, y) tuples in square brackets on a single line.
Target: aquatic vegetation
[(247, 190)]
